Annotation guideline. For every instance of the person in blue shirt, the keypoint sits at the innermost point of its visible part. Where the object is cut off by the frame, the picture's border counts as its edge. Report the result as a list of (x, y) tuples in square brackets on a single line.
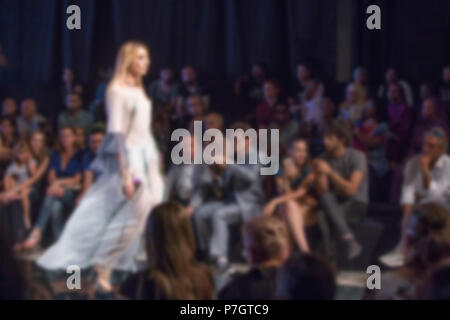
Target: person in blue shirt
[(89, 175), (64, 179)]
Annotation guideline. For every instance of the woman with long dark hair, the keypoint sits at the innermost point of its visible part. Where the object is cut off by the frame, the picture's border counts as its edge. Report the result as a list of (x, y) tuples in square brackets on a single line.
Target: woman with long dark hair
[(174, 272)]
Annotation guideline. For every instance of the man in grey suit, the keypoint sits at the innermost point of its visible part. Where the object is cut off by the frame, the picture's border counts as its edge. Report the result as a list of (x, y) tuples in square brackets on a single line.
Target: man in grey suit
[(239, 194)]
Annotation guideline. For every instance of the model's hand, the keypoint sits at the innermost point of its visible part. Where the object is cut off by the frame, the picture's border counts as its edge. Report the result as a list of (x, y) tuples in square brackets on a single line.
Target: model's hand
[(321, 167), (189, 210), (129, 189)]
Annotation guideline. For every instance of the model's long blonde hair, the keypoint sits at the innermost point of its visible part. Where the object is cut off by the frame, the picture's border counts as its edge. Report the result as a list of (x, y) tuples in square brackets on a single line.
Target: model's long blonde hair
[(127, 54)]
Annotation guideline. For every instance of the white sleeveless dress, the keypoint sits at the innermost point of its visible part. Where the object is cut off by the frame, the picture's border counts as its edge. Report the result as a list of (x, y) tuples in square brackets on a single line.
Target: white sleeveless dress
[(106, 228)]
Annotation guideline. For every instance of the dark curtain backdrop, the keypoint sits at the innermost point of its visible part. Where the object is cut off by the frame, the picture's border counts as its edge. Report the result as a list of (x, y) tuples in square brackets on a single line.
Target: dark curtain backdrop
[(220, 37)]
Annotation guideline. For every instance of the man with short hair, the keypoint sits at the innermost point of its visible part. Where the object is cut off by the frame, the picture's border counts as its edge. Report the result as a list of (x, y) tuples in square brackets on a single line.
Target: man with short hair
[(341, 182), (426, 178), (29, 119), (75, 116)]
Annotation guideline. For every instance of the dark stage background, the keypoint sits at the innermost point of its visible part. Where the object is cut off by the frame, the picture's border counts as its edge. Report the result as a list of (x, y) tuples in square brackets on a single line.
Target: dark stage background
[(221, 38)]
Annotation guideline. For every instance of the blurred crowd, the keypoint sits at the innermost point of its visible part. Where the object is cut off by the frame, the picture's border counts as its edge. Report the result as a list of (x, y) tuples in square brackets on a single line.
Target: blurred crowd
[(380, 144)]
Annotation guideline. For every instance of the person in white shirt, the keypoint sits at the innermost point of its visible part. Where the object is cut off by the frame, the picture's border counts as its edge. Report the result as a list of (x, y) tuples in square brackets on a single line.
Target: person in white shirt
[(426, 179)]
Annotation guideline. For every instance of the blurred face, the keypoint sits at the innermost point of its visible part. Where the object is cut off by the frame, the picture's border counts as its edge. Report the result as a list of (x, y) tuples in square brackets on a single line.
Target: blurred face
[(28, 108), (68, 75), (433, 147), (360, 75), (195, 106), (303, 73), (73, 102), (425, 91), (37, 142), (257, 72), (282, 113), (188, 75), (22, 155), (391, 76), (80, 136), (95, 140), (214, 121), (270, 91), (141, 63), (67, 138), (331, 143), (446, 75), (371, 109), (9, 107), (428, 109), (7, 128), (394, 94), (166, 75), (299, 153), (352, 95), (328, 108)]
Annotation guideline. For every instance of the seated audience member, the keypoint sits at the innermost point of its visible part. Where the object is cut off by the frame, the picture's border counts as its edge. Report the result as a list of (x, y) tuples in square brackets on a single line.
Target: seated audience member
[(191, 86), (352, 109), (29, 119), (430, 119), (391, 78), (436, 285), (240, 197), (214, 120), (75, 116), (173, 272), (265, 110), (19, 172), (360, 82), (295, 170), (9, 108), (445, 87), (306, 277), (304, 75), (427, 242), (400, 123), (249, 88), (70, 84), (289, 128), (80, 138), (184, 179), (196, 109), (163, 91), (63, 179), (95, 140), (371, 137), (426, 178), (13, 210), (340, 180), (311, 111), (266, 246), (428, 90), (8, 138)]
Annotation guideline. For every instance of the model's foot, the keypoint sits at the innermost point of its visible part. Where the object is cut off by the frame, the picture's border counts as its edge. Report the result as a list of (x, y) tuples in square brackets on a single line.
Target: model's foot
[(103, 283), (354, 249), (32, 241)]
